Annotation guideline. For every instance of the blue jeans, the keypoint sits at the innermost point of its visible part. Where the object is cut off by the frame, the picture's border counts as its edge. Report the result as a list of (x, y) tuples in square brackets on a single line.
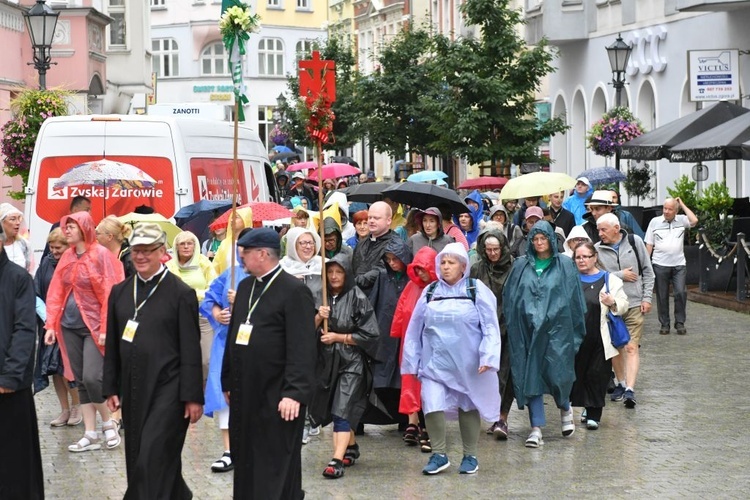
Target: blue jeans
[(536, 411), (663, 277)]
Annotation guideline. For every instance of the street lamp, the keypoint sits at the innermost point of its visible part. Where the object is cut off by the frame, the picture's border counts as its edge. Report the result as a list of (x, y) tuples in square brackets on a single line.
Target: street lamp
[(41, 21), (280, 101), (619, 54)]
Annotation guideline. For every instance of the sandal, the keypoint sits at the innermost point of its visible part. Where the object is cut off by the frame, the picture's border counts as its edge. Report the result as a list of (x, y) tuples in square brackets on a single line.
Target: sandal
[(223, 464), (86, 444), (351, 455), (411, 435), (111, 434), (566, 421), (535, 439), (62, 419), (424, 442), (334, 470)]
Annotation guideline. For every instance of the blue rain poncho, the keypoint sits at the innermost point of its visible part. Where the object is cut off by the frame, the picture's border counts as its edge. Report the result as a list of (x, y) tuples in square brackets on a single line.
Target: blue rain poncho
[(448, 339), (217, 295), (545, 319)]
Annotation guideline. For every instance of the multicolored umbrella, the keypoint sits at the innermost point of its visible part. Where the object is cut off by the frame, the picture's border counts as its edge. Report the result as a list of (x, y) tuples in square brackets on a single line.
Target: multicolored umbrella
[(106, 173), (483, 183), (262, 211)]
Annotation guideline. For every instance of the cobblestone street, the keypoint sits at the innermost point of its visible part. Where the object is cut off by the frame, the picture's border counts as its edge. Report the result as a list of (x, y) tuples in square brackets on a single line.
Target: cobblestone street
[(687, 438)]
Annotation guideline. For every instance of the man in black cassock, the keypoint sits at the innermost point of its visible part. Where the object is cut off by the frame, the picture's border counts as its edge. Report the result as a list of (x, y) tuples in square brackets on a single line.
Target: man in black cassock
[(21, 458), (152, 366), (268, 372)]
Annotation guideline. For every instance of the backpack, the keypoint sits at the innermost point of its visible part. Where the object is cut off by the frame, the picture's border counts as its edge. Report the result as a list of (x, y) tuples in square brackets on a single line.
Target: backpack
[(471, 291), (631, 240)]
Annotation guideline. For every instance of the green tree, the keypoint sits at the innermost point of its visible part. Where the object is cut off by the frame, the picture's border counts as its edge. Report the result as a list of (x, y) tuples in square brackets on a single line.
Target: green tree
[(485, 110), (346, 128)]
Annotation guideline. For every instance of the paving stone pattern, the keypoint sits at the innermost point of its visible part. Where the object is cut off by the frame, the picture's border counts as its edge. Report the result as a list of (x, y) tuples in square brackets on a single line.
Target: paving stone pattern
[(687, 438)]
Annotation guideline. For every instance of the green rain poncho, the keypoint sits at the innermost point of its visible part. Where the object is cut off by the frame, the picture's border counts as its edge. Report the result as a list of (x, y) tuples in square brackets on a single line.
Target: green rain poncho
[(545, 319)]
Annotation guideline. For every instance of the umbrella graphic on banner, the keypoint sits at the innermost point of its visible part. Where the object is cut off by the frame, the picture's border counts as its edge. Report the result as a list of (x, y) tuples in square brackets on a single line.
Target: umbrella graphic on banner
[(106, 173)]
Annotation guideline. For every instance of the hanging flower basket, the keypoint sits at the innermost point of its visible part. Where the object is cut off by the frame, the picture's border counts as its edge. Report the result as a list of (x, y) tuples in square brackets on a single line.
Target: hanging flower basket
[(278, 136), (615, 128)]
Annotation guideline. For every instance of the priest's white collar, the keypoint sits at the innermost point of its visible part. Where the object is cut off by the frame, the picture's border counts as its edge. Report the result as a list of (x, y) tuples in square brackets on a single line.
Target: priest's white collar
[(272, 271), (157, 273)]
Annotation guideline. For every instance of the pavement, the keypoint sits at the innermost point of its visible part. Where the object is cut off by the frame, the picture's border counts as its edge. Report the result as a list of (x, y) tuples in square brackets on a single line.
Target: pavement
[(686, 438)]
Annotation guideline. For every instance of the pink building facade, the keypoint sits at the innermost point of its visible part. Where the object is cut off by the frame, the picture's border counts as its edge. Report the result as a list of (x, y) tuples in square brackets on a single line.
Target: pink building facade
[(78, 48)]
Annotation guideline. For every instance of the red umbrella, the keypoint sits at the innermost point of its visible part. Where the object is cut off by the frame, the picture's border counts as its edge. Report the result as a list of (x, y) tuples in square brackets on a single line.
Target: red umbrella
[(302, 166), (262, 211), (334, 171), (484, 183)]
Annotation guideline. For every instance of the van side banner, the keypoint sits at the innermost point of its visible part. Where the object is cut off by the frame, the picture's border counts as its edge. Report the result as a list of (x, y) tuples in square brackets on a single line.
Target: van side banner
[(212, 180), (54, 201)]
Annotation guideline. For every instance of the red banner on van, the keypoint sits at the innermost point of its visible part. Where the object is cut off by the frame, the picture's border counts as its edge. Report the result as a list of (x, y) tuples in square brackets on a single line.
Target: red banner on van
[(212, 180), (113, 200)]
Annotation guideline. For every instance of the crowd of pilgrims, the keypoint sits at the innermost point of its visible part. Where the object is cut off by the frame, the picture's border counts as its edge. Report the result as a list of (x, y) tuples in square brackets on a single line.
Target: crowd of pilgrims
[(442, 315)]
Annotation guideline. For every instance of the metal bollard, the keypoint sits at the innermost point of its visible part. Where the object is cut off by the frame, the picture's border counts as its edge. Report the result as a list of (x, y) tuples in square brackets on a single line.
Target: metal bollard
[(741, 266), (703, 262)]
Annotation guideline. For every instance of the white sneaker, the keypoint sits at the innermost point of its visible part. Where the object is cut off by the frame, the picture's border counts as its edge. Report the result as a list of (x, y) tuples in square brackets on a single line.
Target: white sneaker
[(315, 431), (306, 435)]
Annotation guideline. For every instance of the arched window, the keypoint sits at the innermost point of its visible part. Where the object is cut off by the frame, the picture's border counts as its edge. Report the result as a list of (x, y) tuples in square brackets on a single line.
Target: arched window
[(165, 60), (303, 50), (271, 57), (214, 60)]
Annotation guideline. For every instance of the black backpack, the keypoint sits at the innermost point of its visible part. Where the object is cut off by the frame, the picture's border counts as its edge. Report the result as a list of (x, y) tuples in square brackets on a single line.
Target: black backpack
[(471, 291)]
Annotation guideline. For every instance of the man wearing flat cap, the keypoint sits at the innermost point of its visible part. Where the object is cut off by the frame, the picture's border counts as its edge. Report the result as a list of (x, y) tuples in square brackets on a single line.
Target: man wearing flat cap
[(152, 367), (268, 371)]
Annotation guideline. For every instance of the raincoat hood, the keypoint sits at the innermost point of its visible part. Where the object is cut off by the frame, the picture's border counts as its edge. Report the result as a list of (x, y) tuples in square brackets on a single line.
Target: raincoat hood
[(283, 174), (576, 232), (430, 211), (86, 223), (495, 230), (340, 198), (293, 235), (453, 249), (499, 208), (331, 226), (343, 261), (545, 228), (424, 258), (400, 249), (192, 263)]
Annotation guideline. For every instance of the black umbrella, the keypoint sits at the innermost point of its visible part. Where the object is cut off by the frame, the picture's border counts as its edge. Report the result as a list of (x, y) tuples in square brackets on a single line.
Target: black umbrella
[(196, 217), (285, 156), (656, 144), (344, 159), (369, 192), (719, 143), (423, 195)]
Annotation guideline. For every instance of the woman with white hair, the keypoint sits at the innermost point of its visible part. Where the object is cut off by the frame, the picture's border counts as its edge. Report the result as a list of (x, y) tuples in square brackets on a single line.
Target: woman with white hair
[(16, 248), (452, 345)]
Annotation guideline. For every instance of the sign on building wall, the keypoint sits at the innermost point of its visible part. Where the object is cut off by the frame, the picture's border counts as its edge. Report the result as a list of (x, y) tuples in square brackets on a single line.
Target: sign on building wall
[(714, 75)]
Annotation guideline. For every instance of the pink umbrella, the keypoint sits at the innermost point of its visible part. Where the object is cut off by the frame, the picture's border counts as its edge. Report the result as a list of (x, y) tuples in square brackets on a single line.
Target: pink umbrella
[(334, 171), (302, 166), (483, 183)]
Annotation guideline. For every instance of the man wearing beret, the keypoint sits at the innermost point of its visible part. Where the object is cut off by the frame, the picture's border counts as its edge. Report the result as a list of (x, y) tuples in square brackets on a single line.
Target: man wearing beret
[(152, 367), (268, 372)]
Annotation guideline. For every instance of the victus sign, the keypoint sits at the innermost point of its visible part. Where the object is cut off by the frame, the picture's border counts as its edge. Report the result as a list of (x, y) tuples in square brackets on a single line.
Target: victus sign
[(714, 74)]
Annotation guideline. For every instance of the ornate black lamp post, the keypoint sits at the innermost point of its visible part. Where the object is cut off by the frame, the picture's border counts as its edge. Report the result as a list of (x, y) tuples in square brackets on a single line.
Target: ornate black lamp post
[(41, 21), (619, 55)]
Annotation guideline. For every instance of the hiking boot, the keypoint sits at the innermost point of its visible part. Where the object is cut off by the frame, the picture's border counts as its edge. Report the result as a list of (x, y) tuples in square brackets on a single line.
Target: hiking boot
[(438, 462), (680, 329), (618, 393)]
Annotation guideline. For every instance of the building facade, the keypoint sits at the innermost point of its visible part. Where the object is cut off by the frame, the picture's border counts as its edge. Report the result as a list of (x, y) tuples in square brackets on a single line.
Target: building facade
[(658, 88)]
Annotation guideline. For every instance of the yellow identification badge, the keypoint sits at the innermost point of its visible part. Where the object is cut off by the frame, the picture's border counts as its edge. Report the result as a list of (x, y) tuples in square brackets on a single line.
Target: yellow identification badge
[(243, 334), (129, 333)]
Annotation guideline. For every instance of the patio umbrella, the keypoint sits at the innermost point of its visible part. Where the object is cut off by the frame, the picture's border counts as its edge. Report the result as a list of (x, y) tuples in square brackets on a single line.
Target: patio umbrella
[(602, 175), (427, 176), (165, 224), (421, 195), (656, 144), (536, 184), (334, 171), (719, 143), (262, 211), (196, 217), (369, 192), (483, 183), (345, 159), (106, 173)]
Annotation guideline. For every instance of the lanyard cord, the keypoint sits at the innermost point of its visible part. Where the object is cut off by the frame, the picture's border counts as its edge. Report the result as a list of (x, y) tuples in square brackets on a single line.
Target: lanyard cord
[(135, 301), (254, 305)]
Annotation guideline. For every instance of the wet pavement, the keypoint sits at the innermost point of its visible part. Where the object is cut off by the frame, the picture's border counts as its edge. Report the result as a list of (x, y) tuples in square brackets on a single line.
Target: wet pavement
[(687, 438)]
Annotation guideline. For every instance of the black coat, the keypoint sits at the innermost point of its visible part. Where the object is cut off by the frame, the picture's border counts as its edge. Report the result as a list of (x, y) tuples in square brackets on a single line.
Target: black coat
[(155, 375), (278, 362), (17, 325), (367, 260), (564, 219)]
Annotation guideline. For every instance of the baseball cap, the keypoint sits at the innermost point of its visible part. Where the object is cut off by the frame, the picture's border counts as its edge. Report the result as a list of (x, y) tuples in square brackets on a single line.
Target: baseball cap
[(584, 180), (534, 212), (298, 175), (147, 233)]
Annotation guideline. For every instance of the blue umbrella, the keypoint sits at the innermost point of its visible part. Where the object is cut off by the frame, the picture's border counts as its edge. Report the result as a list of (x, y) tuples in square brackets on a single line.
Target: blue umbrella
[(282, 149), (603, 175), (196, 217), (427, 176)]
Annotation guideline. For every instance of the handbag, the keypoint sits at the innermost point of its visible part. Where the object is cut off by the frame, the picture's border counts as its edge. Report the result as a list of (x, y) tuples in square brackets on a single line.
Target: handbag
[(618, 331)]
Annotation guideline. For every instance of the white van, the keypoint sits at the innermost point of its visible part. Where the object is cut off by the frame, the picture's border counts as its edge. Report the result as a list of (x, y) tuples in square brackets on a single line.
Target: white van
[(190, 159)]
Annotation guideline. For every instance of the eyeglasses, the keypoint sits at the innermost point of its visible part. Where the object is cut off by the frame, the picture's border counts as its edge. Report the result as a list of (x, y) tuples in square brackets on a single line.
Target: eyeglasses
[(146, 252), (306, 243), (581, 257), (539, 239), (492, 250)]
